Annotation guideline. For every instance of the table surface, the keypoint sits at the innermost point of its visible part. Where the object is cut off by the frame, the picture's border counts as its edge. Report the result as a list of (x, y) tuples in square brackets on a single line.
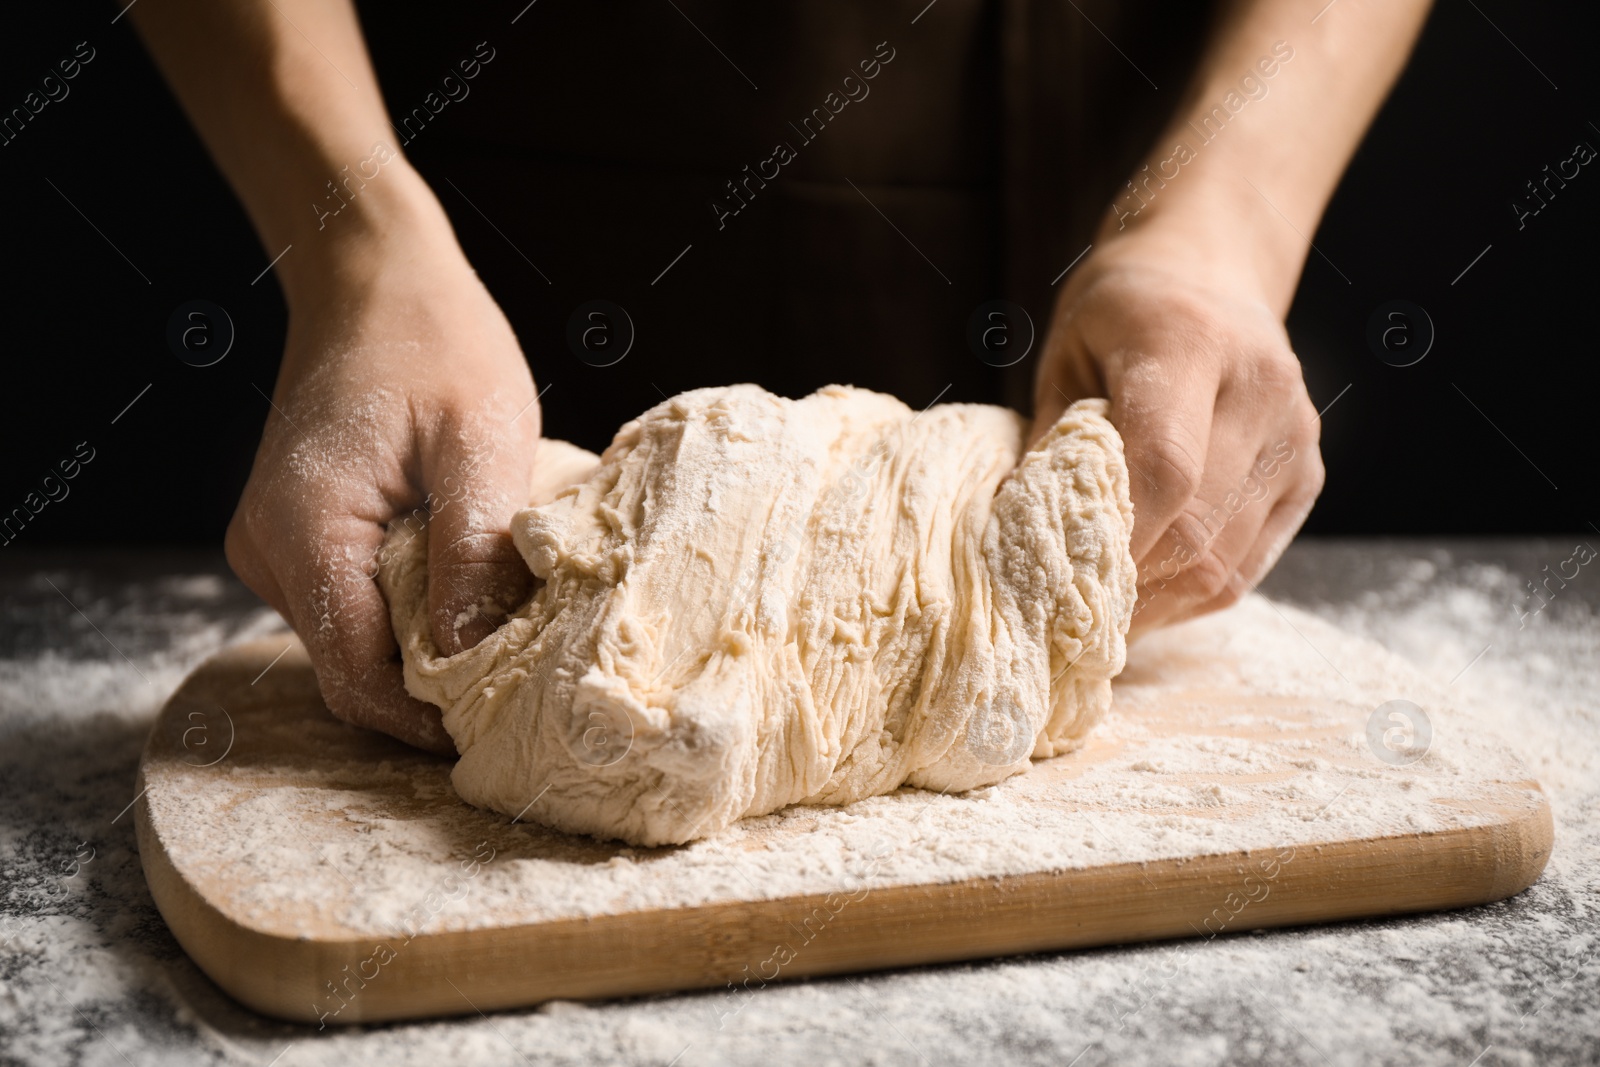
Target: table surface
[(91, 644)]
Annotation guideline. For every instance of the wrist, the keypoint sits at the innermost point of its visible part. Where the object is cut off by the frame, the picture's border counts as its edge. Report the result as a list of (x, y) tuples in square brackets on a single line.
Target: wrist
[(1208, 219), (1185, 254), (380, 220)]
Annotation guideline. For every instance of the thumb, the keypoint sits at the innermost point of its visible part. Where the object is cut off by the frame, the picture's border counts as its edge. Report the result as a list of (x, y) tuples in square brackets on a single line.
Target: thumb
[(475, 483), (1048, 406), (1065, 375)]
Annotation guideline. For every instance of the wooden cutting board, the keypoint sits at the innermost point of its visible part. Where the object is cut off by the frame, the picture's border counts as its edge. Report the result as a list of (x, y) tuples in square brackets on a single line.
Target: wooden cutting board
[(324, 874)]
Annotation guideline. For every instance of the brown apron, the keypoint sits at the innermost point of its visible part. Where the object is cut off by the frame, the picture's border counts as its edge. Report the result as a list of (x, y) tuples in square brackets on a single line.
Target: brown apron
[(791, 193)]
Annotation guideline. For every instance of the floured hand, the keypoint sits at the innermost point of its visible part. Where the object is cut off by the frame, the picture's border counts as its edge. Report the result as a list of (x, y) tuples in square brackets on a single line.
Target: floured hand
[(1221, 435), (403, 393)]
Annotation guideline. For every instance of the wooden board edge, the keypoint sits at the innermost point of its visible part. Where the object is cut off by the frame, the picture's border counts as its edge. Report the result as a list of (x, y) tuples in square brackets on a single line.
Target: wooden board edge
[(743, 946)]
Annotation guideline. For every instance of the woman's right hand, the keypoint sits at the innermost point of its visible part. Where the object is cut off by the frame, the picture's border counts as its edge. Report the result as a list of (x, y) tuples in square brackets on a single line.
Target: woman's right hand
[(402, 392)]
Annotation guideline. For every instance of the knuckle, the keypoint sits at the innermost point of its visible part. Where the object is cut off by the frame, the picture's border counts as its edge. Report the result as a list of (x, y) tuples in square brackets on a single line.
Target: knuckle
[(1306, 427), (337, 693), (1316, 472), (1200, 570), (1190, 537), (347, 691), (1309, 474), (1210, 574), (244, 556), (1278, 374), (1174, 466), (236, 546), (473, 548), (339, 706), (252, 518), (1190, 310), (1229, 595)]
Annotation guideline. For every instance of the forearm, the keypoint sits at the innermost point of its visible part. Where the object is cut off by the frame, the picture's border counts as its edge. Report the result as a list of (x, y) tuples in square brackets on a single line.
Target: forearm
[(284, 96), (1246, 166)]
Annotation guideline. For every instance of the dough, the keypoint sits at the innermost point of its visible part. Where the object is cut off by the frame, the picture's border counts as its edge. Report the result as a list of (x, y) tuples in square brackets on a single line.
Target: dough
[(750, 602)]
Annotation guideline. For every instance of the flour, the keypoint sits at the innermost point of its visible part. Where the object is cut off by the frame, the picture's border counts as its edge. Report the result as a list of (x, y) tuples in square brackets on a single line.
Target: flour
[(1293, 767), (1522, 976)]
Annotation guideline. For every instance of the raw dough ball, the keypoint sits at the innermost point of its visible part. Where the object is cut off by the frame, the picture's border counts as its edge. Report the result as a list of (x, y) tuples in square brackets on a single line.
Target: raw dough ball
[(750, 602)]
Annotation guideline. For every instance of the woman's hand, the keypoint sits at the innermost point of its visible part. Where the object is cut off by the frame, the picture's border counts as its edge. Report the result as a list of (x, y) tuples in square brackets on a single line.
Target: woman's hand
[(1177, 314), (402, 392), (402, 389), (1221, 435)]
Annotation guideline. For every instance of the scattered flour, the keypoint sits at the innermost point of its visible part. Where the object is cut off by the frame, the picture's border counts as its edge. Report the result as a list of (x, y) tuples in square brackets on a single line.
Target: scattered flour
[(91, 975), (1248, 729)]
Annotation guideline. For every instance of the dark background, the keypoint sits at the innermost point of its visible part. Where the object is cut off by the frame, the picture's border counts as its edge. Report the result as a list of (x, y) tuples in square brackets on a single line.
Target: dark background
[(1491, 433)]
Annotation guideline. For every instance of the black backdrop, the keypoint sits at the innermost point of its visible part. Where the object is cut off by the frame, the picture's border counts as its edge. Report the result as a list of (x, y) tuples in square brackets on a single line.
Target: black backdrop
[(114, 217)]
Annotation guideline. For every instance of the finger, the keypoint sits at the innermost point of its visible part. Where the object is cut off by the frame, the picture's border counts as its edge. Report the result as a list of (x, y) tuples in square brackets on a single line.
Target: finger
[(1261, 411), (1288, 514), (1163, 410), (476, 479), (342, 619), (250, 566), (1208, 539), (1065, 376)]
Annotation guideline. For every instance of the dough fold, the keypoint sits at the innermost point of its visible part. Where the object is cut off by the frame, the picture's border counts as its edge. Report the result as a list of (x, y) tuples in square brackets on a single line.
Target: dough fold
[(750, 602)]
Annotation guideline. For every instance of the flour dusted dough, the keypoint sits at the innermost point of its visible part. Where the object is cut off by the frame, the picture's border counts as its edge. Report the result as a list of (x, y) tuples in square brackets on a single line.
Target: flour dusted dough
[(750, 602)]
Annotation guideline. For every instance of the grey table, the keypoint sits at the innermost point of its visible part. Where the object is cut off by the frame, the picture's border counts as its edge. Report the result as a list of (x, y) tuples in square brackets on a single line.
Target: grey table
[(91, 644)]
